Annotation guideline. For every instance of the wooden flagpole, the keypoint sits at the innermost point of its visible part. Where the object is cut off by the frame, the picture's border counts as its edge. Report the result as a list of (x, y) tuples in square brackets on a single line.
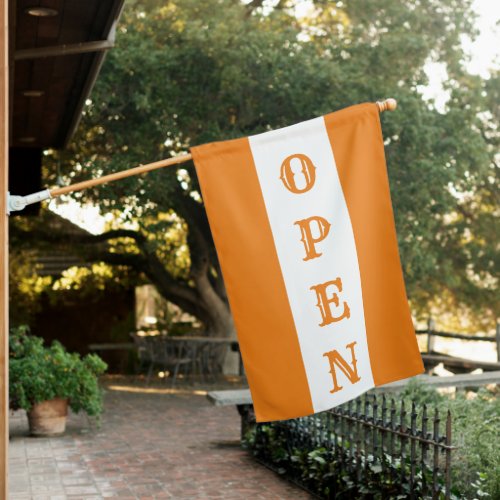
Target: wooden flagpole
[(387, 105), (120, 175)]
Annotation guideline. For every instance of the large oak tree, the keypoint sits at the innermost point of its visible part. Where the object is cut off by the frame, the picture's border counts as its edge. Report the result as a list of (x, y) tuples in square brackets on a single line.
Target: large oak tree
[(185, 72)]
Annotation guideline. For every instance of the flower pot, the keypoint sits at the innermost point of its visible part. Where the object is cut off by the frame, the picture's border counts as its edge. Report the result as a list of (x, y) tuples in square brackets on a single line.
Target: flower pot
[(48, 417)]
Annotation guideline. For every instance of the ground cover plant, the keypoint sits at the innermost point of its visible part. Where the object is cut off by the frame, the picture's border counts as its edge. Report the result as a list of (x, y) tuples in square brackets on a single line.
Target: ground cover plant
[(475, 434), (336, 473)]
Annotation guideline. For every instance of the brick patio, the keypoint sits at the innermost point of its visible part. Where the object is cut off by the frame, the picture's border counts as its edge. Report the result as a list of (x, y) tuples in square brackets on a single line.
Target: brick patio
[(150, 445)]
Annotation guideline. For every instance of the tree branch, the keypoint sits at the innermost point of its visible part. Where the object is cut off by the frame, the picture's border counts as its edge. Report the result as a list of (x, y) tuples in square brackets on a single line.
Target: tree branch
[(118, 233), (135, 261)]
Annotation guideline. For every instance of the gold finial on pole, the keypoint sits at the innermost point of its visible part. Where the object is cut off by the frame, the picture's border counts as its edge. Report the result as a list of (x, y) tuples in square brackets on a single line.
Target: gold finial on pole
[(387, 105)]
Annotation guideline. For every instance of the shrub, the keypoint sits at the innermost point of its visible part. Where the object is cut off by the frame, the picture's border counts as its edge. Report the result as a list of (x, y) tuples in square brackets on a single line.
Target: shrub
[(38, 373), (475, 434), (475, 465)]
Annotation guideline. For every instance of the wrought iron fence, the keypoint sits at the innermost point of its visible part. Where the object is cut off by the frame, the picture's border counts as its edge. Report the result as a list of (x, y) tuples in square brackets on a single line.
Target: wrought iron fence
[(369, 443)]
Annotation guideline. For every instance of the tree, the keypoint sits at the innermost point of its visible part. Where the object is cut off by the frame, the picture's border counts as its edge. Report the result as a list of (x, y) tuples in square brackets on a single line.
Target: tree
[(188, 72)]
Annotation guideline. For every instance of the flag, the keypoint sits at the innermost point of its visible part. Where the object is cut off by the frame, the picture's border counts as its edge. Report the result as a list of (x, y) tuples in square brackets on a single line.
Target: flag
[(303, 225)]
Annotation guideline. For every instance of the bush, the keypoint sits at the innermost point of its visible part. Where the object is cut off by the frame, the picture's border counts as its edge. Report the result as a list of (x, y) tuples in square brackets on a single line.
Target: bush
[(475, 434), (38, 373), (333, 474), (475, 465)]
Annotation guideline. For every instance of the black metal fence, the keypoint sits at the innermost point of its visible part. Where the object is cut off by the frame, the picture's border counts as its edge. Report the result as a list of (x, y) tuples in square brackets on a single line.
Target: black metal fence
[(370, 445)]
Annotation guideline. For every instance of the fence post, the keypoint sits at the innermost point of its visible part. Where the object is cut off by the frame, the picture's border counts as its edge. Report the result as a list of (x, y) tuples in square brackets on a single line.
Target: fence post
[(431, 326), (448, 457), (435, 468), (413, 447), (498, 341), (423, 449)]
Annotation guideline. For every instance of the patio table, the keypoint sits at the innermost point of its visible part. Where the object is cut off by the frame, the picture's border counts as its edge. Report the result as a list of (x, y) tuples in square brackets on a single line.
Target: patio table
[(203, 351)]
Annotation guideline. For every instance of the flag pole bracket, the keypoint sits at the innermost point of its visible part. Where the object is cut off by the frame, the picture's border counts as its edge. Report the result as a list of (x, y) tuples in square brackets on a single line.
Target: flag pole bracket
[(16, 203)]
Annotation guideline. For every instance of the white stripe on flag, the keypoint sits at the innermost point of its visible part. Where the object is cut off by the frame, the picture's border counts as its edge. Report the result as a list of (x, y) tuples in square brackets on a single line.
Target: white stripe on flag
[(338, 259)]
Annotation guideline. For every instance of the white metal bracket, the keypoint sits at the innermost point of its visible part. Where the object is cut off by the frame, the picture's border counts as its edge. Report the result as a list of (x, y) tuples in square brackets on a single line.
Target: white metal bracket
[(16, 203)]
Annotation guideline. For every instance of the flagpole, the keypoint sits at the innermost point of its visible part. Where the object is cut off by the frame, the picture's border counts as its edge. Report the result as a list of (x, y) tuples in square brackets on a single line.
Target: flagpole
[(19, 202), (120, 175)]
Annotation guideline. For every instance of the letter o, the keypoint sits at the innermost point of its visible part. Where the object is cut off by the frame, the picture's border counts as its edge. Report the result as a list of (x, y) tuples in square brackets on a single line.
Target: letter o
[(308, 171)]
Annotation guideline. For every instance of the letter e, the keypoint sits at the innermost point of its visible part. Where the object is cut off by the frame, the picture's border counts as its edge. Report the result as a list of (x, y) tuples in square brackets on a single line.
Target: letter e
[(324, 302)]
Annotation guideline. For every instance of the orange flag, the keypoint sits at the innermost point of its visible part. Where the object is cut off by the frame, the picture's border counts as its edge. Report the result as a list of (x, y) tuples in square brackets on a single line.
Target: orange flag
[(303, 225)]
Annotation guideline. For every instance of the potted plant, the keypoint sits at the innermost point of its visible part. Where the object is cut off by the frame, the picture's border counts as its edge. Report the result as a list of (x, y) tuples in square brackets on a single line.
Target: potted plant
[(45, 380)]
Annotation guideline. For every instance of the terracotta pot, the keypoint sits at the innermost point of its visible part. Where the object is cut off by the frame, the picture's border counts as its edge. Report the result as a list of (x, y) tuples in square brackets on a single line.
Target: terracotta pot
[(48, 417)]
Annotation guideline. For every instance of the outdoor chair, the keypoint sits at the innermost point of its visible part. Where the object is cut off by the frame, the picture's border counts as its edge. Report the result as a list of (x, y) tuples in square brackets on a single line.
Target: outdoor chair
[(213, 359), (143, 350), (195, 352), (157, 351), (175, 356)]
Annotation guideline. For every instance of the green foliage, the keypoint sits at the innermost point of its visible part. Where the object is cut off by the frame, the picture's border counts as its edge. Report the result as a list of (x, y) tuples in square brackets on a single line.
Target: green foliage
[(421, 394), (28, 291), (38, 373), (25, 286), (475, 434), (189, 72), (475, 465), (330, 473)]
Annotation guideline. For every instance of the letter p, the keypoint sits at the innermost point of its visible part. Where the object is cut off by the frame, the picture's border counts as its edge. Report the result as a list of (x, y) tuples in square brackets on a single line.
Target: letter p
[(310, 236)]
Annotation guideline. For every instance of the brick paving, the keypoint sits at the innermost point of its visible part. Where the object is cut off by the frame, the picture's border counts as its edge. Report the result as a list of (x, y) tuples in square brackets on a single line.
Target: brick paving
[(150, 445)]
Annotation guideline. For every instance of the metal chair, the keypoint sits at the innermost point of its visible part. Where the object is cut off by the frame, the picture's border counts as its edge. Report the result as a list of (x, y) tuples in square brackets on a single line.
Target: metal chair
[(174, 356), (157, 351)]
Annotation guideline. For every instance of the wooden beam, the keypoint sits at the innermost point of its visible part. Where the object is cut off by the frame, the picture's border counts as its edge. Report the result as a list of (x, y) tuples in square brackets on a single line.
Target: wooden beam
[(433, 359), (63, 50), (4, 248), (460, 336)]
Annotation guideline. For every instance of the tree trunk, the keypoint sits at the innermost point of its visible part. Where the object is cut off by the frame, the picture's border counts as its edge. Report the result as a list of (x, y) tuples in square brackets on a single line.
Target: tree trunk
[(221, 324), (206, 300)]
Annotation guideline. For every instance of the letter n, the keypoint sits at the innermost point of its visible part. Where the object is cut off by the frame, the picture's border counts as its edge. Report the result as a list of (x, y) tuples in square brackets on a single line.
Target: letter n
[(337, 361)]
